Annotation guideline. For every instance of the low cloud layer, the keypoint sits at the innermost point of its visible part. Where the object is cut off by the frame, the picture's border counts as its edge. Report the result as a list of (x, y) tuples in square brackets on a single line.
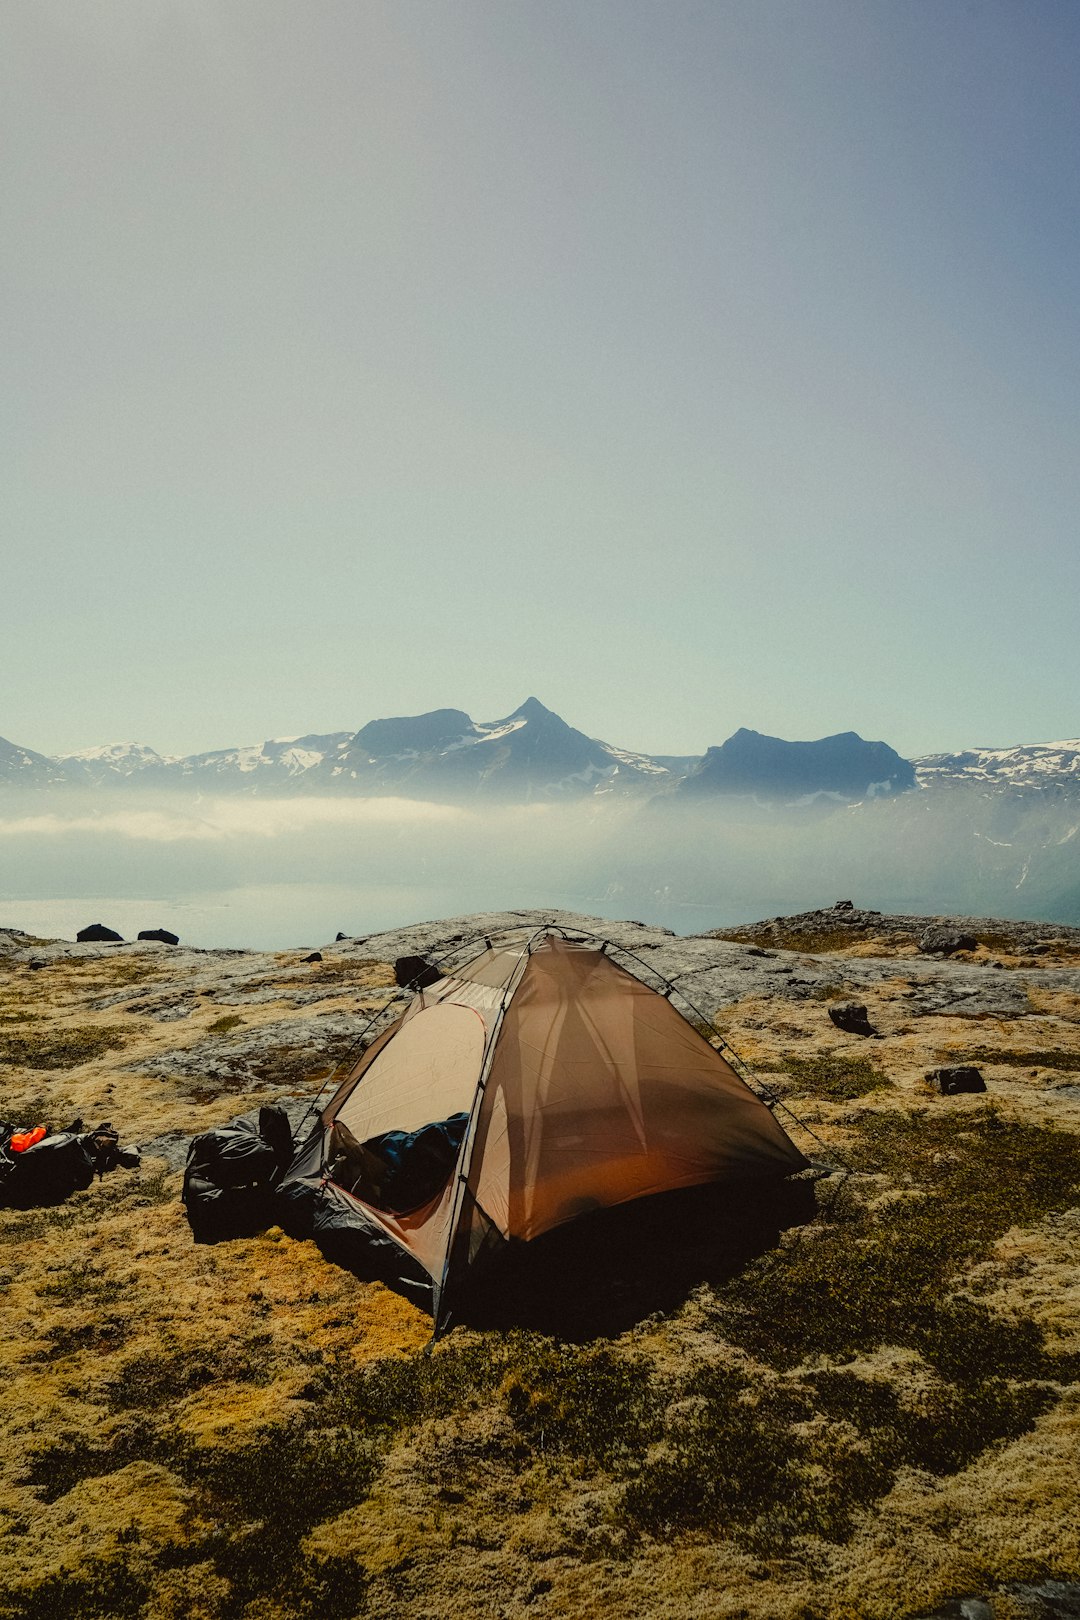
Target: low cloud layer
[(176, 822), (272, 872)]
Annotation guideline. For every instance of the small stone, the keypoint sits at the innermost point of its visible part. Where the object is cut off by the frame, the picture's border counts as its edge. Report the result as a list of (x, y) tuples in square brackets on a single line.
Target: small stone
[(946, 941), (339, 937), (161, 935), (851, 1017), (843, 905), (1060, 1599), (316, 956), (966, 1608), (951, 1081)]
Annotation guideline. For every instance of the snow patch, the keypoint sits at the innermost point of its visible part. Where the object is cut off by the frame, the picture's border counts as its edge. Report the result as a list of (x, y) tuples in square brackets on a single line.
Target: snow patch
[(636, 762), (125, 753), (492, 733), (296, 760)]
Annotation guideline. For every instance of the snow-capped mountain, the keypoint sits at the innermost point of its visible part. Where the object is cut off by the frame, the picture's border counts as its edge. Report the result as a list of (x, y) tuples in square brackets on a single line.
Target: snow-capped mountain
[(115, 762), (1034, 765), (21, 767), (280, 762), (530, 754), (533, 754), (443, 755)]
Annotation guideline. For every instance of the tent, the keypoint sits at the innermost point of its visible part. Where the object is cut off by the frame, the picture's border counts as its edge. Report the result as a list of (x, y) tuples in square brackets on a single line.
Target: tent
[(532, 1084)]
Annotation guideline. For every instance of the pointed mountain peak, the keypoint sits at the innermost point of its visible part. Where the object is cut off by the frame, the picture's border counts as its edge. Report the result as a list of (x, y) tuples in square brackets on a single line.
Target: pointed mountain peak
[(533, 709)]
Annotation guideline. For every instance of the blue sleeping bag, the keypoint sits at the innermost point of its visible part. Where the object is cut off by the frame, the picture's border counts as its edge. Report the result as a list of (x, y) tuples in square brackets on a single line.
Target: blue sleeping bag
[(418, 1163)]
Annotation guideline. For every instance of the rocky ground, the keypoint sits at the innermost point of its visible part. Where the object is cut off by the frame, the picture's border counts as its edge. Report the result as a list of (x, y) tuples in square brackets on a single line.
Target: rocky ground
[(877, 1418)]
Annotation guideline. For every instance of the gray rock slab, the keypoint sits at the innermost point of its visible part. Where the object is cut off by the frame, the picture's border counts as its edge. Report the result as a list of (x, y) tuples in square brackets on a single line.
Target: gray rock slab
[(712, 973), (172, 1146), (843, 917), (709, 972), (276, 1056), (1041, 1600)]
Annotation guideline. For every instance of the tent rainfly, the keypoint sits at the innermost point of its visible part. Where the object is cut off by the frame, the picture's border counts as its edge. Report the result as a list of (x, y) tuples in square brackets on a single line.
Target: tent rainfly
[(536, 1083)]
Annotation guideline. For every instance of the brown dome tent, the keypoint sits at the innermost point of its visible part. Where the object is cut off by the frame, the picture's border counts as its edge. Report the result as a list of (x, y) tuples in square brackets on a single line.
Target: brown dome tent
[(535, 1083)]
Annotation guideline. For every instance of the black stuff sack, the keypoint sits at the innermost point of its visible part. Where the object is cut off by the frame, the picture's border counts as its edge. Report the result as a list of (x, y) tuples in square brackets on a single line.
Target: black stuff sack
[(61, 1163), (48, 1172), (231, 1174)]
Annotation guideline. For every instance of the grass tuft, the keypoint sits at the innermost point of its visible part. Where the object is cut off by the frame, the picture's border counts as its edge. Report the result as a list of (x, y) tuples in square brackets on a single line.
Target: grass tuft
[(61, 1048), (153, 1379), (222, 1026), (834, 1076), (867, 1277), (100, 1590), (1036, 1058), (591, 1403)]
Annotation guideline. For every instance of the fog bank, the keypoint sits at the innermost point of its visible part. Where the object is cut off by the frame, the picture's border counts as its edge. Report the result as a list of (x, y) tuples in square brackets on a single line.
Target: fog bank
[(258, 872)]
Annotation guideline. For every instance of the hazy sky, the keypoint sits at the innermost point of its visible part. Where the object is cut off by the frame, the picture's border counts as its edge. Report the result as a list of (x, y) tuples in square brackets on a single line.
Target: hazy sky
[(687, 365)]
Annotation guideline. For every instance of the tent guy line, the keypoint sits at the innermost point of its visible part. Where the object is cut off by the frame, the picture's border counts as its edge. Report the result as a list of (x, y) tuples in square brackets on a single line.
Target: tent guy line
[(437, 958)]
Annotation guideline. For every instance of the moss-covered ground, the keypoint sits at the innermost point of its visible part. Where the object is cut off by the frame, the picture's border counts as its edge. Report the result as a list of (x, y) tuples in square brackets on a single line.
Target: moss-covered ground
[(878, 1414)]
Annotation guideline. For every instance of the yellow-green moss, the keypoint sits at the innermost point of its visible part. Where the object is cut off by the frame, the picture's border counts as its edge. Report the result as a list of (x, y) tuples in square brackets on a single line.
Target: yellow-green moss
[(61, 1048)]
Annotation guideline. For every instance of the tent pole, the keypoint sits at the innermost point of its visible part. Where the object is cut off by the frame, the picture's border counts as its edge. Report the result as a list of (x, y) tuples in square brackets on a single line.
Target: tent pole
[(742, 1069), (464, 1163)]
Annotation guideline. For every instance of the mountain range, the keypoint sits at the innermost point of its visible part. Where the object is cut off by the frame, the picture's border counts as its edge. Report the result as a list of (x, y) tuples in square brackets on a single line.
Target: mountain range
[(534, 755)]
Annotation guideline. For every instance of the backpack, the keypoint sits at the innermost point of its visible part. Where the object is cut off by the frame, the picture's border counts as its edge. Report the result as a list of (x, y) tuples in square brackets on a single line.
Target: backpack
[(58, 1164)]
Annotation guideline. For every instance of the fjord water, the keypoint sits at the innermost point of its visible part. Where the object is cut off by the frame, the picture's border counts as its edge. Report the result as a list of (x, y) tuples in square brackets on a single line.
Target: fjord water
[(279, 873), (292, 915)]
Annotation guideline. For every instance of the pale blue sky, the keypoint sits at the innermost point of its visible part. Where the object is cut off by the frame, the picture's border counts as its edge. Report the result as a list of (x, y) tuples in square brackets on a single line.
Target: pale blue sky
[(687, 365)]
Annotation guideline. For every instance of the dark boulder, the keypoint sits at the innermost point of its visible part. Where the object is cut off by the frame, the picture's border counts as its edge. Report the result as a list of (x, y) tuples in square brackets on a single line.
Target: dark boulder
[(851, 1017), (415, 973), (98, 934), (162, 936), (952, 1081), (339, 937), (316, 956), (843, 905), (947, 940)]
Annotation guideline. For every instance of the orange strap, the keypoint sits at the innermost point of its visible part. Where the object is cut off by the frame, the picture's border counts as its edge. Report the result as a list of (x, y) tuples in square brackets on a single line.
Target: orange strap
[(26, 1139)]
